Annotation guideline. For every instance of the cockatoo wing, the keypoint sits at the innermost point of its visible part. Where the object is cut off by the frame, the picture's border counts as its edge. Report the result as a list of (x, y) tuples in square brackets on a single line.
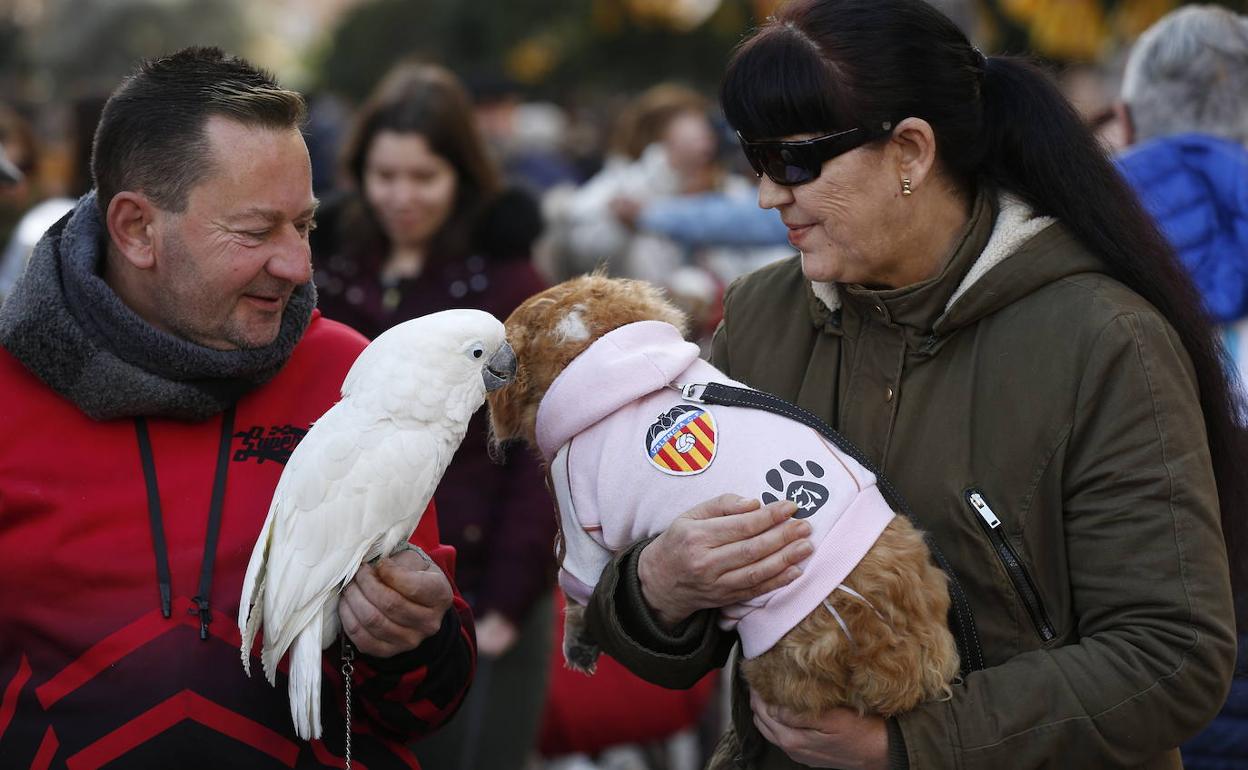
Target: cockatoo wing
[(347, 495), (356, 486)]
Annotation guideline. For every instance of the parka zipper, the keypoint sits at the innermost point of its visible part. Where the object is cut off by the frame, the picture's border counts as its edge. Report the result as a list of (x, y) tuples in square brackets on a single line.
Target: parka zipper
[(1013, 565)]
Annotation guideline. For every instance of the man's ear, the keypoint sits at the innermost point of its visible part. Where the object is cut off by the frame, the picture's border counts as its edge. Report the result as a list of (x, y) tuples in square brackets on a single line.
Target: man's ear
[(131, 221), (915, 144)]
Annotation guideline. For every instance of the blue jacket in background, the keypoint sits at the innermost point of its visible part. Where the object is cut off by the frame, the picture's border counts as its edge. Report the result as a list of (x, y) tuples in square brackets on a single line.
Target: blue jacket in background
[(1196, 187)]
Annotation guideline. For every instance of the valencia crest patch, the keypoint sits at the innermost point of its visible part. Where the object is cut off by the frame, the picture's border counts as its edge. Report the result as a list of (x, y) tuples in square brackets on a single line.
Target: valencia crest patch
[(682, 441)]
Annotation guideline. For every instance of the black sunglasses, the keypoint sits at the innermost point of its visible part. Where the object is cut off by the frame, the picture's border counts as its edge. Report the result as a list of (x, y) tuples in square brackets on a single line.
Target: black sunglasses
[(794, 163)]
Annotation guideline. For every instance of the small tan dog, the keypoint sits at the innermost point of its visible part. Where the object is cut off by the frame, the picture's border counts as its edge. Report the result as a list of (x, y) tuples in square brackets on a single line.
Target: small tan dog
[(876, 640)]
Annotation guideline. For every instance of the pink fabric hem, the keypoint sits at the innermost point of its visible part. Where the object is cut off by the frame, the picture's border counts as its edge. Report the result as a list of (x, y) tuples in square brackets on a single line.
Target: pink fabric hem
[(834, 558)]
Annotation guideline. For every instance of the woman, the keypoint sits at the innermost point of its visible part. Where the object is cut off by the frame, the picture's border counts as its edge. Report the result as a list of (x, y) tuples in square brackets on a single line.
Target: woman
[(428, 229), (981, 305)]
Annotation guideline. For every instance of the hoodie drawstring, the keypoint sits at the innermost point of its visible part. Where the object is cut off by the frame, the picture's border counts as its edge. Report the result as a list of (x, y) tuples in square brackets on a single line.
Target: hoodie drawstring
[(163, 580)]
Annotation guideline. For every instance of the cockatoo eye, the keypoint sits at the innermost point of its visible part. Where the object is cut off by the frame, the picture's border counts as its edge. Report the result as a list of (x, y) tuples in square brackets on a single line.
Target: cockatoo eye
[(476, 351)]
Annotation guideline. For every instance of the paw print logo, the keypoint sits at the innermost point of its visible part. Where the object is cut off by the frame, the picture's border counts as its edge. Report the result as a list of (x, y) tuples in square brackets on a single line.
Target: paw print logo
[(808, 494)]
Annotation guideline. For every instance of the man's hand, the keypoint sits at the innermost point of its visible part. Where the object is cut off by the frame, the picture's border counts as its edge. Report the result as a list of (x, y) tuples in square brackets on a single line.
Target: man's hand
[(495, 634), (722, 552), (839, 738), (394, 604)]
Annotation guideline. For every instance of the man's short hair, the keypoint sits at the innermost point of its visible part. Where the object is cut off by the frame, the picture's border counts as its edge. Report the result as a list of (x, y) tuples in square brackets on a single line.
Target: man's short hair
[(152, 132), (1189, 72)]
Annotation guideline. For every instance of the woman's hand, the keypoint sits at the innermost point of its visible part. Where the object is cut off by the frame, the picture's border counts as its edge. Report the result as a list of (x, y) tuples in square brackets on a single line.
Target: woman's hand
[(839, 738), (722, 552)]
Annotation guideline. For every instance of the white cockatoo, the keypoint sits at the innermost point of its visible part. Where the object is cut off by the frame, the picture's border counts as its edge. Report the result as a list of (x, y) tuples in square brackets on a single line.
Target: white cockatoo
[(355, 487)]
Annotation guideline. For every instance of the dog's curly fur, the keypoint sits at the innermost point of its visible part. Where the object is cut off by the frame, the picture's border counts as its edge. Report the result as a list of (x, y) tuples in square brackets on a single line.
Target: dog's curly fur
[(896, 659)]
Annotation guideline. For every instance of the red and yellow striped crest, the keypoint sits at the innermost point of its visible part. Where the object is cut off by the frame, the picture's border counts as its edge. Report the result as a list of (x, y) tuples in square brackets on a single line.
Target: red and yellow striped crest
[(682, 441)]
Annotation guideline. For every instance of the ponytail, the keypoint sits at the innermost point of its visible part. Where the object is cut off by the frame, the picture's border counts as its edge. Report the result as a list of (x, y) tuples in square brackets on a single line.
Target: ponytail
[(1037, 147)]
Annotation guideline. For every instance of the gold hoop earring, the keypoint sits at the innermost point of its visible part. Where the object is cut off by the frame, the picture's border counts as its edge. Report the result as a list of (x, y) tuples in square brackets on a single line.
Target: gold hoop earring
[(905, 187)]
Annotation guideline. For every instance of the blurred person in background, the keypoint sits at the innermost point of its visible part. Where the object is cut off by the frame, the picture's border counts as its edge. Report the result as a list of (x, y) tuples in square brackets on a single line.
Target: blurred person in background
[(84, 115), (329, 116), (10, 175), (21, 151), (1184, 111), (666, 150), (427, 227), (526, 138)]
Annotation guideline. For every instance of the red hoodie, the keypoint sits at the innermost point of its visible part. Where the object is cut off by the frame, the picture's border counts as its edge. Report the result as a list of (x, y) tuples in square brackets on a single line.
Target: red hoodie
[(91, 672)]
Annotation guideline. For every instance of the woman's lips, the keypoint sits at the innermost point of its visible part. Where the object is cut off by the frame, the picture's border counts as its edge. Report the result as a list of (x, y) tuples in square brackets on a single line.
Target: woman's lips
[(797, 232)]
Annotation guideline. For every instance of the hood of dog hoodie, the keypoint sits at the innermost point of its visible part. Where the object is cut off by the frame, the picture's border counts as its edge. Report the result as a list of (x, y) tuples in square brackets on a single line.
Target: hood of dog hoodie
[(613, 433)]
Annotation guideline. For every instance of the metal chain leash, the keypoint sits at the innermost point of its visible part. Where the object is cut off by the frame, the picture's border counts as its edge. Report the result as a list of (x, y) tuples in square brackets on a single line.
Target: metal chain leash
[(348, 669)]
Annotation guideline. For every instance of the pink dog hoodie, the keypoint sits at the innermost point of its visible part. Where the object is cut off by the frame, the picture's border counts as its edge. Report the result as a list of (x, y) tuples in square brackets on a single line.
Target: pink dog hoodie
[(628, 454)]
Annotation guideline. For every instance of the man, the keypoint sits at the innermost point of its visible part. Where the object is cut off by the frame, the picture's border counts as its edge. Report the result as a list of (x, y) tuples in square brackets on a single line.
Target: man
[(159, 361), (1185, 113)]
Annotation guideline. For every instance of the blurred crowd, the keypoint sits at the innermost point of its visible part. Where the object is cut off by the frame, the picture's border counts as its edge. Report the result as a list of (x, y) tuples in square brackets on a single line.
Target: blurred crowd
[(647, 185), (441, 191)]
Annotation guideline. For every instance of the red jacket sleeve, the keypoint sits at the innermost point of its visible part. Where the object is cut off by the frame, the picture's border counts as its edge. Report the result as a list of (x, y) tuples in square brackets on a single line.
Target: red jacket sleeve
[(412, 694)]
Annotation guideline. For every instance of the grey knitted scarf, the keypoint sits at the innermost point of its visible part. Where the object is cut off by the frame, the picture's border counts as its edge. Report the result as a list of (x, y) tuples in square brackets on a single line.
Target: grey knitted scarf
[(65, 324)]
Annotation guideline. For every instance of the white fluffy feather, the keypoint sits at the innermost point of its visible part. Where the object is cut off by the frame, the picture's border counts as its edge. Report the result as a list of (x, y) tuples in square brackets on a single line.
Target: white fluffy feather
[(356, 486)]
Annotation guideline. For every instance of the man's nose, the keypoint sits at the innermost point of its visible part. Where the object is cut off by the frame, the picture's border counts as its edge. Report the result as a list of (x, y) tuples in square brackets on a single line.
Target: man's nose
[(292, 258)]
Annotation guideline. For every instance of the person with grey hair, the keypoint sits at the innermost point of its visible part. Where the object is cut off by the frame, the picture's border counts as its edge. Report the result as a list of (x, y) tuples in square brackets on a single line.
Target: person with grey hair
[(1185, 110), (1188, 73), (160, 358)]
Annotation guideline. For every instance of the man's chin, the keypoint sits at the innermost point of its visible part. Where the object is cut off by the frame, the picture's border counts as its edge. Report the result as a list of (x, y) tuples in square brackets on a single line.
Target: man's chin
[(257, 341), (254, 335)]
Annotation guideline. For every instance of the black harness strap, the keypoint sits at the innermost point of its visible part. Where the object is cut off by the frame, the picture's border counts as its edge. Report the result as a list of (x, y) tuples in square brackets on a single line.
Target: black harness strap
[(961, 619), (217, 502)]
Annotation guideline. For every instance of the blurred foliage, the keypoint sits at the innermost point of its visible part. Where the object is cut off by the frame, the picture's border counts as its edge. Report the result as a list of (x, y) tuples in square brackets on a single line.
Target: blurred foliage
[(1073, 31), (83, 46), (558, 48), (622, 45), (15, 63), (551, 45)]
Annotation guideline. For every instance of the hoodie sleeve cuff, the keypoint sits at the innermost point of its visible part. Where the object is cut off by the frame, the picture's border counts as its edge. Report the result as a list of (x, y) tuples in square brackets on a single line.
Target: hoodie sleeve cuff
[(619, 619), (430, 650), (638, 620)]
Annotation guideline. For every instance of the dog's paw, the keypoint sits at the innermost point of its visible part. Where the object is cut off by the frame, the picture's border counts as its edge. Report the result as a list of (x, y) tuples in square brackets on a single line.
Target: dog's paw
[(581, 656), (795, 483)]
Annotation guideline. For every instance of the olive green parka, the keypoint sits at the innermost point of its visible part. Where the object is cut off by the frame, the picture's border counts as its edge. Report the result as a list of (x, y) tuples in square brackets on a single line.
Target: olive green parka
[(1024, 378)]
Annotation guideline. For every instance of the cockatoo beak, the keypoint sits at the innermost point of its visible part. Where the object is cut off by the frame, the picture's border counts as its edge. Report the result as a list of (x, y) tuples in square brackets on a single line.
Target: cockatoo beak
[(500, 369)]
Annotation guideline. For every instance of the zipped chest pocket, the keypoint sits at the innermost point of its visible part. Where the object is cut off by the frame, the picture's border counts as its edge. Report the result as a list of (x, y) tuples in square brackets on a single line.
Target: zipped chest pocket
[(1013, 565)]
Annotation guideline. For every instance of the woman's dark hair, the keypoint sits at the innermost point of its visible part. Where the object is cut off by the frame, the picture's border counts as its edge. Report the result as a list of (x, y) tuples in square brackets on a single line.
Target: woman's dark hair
[(428, 100), (823, 65)]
